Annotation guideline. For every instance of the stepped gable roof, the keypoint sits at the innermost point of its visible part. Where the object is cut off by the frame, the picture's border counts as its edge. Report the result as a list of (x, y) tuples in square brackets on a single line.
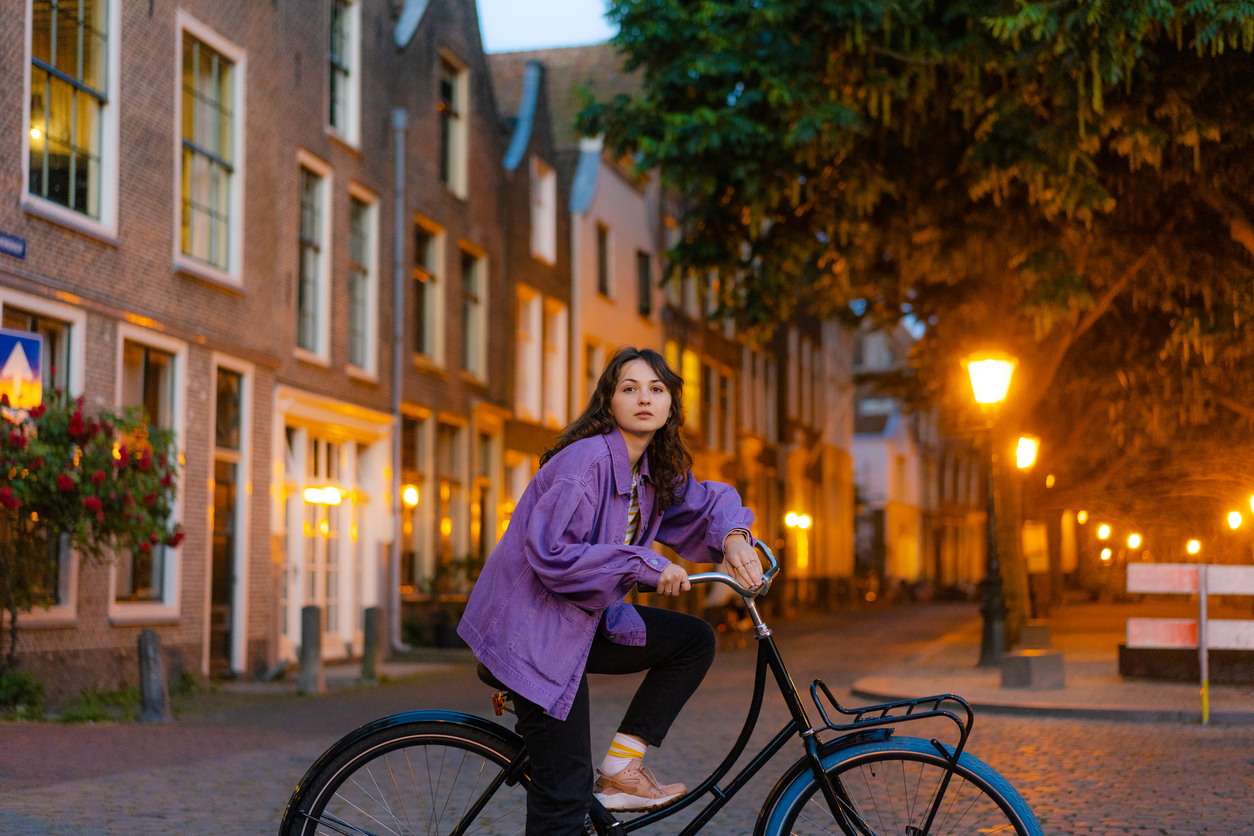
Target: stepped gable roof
[(597, 68)]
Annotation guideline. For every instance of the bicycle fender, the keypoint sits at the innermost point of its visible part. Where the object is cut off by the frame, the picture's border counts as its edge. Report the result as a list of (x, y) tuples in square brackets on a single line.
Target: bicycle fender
[(801, 768), (458, 718)]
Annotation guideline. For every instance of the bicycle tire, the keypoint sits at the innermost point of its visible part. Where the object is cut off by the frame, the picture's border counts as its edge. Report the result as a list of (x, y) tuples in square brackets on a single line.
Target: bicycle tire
[(891, 785), (381, 786)]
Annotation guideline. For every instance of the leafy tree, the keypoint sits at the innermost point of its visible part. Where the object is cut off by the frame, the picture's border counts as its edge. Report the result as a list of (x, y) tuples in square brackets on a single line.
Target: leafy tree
[(105, 483)]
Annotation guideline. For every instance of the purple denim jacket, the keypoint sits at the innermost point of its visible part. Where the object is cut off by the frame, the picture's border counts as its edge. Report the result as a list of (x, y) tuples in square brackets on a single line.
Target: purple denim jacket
[(562, 564)]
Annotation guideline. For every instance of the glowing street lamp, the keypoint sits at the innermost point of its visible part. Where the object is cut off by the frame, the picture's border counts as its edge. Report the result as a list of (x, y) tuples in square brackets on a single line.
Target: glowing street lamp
[(990, 374), (1025, 452), (409, 495), (329, 495), (791, 519), (1134, 541), (1234, 520), (1082, 517), (801, 521), (1193, 547), (1106, 554), (1103, 531)]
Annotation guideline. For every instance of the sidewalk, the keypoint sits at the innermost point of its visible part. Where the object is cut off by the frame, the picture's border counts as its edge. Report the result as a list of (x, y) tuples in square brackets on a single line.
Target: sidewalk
[(416, 662), (1089, 636)]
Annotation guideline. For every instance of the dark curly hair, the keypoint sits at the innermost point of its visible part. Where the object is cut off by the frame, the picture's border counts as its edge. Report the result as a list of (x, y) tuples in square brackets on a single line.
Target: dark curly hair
[(669, 459)]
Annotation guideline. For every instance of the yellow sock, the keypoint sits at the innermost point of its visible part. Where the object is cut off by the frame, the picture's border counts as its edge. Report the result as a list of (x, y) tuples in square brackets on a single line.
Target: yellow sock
[(622, 750)]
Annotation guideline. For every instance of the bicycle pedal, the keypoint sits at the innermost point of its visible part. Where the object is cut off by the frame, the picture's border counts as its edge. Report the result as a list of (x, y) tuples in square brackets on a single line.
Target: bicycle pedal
[(500, 702)]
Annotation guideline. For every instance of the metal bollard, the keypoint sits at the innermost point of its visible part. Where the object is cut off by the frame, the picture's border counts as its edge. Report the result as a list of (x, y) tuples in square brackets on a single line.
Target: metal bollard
[(372, 651), (153, 687), (312, 678)]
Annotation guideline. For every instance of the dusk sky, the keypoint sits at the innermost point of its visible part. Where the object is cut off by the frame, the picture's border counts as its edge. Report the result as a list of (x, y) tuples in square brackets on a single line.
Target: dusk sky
[(511, 25)]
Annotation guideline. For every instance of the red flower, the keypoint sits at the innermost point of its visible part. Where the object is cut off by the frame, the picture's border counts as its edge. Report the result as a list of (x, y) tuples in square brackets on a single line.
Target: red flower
[(97, 477), (64, 482), (76, 428), (92, 503), (17, 439), (145, 461), (7, 499), (145, 547), (113, 494), (130, 500), (38, 411), (120, 459), (36, 462), (175, 539), (100, 516), (167, 480), (150, 499), (4, 400), (155, 537)]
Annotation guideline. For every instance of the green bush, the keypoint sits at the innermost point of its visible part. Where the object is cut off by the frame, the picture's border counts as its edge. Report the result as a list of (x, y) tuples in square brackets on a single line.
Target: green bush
[(415, 631), (96, 706), (21, 694)]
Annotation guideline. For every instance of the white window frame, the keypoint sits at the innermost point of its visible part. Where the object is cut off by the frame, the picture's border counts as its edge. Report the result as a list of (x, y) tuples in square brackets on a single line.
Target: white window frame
[(322, 354), (459, 137), (243, 504), (528, 377), (434, 306), (106, 227), (479, 370), (370, 370), (168, 608), (555, 361), (233, 276), (543, 211), (351, 133)]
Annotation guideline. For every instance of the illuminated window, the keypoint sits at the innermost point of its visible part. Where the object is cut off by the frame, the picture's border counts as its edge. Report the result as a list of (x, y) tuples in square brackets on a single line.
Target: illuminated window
[(344, 57), (543, 211)]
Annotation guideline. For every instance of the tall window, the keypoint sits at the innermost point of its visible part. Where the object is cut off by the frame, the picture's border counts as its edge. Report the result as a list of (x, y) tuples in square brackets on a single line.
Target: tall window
[(474, 301), (709, 407), (603, 260), (729, 415), (55, 362), (451, 109), (448, 456), (543, 211), (528, 361), (690, 370), (593, 360), (309, 292), (68, 95), (644, 283), (343, 67), (482, 516), (360, 283), (428, 294), (555, 363), (208, 152), (147, 383), (226, 466)]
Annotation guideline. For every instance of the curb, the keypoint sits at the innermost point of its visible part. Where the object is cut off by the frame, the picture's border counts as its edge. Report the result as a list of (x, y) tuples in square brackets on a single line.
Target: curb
[(1129, 715)]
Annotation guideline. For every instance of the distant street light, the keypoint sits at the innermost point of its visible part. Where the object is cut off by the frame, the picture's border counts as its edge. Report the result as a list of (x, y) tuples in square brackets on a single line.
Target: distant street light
[(1234, 520), (1134, 541), (990, 374), (802, 521), (1103, 531), (1082, 517), (1194, 547), (791, 520), (1025, 452), (1105, 554)]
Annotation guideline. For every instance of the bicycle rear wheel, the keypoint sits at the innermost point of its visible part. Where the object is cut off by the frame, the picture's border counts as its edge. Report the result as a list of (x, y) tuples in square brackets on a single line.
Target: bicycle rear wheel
[(891, 789), (417, 779)]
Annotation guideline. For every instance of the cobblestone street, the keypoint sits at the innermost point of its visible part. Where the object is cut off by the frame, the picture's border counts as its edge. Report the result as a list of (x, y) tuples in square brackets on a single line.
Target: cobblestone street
[(229, 766)]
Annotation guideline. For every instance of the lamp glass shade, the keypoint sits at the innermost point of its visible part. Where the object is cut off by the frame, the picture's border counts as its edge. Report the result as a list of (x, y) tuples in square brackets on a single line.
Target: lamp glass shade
[(990, 377), (1234, 520), (1025, 452), (1194, 547)]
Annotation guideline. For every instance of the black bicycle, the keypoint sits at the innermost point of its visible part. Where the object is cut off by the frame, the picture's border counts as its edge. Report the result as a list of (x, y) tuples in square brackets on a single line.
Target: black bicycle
[(445, 773)]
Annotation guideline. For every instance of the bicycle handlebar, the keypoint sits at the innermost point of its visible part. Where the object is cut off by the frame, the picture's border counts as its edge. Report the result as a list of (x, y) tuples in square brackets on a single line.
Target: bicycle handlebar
[(743, 591)]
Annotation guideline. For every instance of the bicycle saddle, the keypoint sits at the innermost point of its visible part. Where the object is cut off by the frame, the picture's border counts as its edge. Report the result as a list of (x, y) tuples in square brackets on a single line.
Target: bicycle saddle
[(487, 678)]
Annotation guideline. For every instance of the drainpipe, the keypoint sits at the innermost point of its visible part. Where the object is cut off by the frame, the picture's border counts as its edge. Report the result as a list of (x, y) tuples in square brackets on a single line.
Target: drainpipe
[(399, 123)]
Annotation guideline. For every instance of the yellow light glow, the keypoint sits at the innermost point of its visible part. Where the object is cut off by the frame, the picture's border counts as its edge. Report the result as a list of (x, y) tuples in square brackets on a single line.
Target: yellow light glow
[(804, 521), (1025, 452), (35, 133), (409, 495), (1082, 517), (308, 529), (446, 526), (1049, 481), (324, 528), (791, 520), (1105, 554), (117, 451), (1103, 531), (352, 531), (1194, 547), (330, 495), (1134, 541), (1252, 503), (990, 376), (1234, 520)]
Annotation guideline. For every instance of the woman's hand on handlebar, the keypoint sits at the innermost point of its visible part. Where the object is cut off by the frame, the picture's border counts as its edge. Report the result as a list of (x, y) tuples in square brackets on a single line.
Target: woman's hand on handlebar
[(673, 581), (742, 560)]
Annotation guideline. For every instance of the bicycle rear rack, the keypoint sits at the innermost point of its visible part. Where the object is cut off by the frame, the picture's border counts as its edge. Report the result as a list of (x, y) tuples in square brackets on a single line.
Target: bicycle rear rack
[(869, 716)]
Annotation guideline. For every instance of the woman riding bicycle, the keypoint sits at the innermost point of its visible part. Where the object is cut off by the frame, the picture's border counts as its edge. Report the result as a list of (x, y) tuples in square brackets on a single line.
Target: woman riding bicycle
[(548, 607)]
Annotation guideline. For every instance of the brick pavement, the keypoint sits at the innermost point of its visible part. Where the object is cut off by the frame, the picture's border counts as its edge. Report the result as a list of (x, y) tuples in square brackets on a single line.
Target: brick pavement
[(1082, 777)]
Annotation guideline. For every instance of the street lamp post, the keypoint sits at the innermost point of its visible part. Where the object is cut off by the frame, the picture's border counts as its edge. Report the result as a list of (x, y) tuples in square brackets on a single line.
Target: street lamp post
[(990, 378)]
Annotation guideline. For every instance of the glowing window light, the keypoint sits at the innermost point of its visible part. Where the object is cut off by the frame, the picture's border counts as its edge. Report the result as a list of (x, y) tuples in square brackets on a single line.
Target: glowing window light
[(1103, 531)]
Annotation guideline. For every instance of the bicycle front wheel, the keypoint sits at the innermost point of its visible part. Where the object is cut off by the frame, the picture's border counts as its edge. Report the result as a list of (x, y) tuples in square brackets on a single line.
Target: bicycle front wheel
[(417, 779), (891, 788)]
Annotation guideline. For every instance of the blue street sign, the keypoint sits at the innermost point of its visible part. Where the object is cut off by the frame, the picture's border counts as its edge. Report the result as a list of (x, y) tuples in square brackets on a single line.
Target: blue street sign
[(21, 367), (12, 245)]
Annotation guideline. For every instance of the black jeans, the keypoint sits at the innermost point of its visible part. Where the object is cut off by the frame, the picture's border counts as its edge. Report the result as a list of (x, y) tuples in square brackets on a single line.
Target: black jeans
[(677, 652)]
